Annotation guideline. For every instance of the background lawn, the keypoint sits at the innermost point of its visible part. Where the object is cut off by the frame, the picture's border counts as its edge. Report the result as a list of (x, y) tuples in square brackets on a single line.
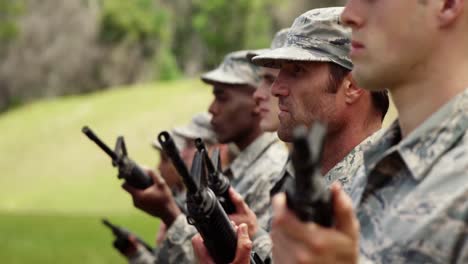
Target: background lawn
[(56, 183)]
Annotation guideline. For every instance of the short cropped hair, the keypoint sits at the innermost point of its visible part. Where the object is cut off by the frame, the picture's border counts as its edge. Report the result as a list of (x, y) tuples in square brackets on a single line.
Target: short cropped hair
[(380, 99)]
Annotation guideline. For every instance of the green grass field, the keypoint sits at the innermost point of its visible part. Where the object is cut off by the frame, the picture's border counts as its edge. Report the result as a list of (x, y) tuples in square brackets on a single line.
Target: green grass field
[(56, 183)]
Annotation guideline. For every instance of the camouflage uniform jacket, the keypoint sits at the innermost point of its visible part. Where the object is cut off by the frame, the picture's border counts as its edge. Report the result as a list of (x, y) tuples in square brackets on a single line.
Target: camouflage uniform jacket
[(143, 255), (253, 173), (411, 195), (343, 171)]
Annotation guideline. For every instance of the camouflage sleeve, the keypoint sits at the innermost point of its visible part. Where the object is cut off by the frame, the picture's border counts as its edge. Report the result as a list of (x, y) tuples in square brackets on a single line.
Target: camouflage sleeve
[(259, 200), (364, 260), (177, 246), (463, 254), (142, 256), (262, 244)]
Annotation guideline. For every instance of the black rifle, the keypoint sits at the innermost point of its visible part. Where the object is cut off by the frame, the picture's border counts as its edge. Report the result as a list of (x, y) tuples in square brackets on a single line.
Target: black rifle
[(204, 210), (217, 182), (128, 169), (309, 198), (122, 241)]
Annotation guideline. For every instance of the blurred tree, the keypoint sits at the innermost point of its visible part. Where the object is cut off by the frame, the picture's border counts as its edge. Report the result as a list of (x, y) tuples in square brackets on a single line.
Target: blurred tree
[(138, 20), (226, 26), (54, 47), (53, 53), (144, 24), (9, 10)]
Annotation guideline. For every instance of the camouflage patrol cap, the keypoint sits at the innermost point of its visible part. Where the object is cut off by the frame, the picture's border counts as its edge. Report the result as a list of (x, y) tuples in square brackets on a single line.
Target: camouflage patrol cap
[(278, 41), (317, 35), (199, 127), (235, 70)]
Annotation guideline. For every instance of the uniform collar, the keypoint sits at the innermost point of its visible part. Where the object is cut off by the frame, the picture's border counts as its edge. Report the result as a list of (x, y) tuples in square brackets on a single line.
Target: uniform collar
[(352, 161), (251, 154), (427, 143)]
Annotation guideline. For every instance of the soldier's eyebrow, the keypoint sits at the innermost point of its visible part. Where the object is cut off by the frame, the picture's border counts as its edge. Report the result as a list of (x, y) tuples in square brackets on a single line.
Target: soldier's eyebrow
[(218, 90), (267, 75)]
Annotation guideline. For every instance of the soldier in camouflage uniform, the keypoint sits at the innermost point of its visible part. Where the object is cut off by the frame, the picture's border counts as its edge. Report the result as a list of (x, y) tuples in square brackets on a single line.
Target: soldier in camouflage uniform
[(314, 83), (411, 194), (256, 168), (184, 136)]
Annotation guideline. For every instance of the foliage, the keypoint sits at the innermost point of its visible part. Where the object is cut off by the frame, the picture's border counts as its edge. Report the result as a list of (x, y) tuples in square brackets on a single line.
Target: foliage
[(166, 66), (51, 48), (9, 11), (227, 26), (139, 20), (146, 23)]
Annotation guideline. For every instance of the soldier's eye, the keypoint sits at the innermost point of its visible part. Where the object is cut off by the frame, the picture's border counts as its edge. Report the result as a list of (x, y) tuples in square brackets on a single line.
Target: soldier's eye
[(297, 70), (269, 79), (221, 98)]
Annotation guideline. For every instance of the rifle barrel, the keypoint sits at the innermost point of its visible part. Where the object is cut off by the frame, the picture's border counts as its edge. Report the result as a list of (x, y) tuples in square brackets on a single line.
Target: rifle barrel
[(169, 147), (90, 134)]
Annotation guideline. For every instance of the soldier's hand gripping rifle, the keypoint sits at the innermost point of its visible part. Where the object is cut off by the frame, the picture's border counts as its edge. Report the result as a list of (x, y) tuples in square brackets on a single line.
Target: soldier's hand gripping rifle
[(133, 174), (217, 182), (309, 198), (204, 210), (122, 238)]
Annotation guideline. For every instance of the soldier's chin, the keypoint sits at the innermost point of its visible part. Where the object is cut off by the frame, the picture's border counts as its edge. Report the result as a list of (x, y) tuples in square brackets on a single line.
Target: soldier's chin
[(226, 138), (367, 79), (285, 133)]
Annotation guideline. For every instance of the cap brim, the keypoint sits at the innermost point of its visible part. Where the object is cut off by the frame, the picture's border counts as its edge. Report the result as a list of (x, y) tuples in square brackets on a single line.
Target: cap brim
[(219, 76), (251, 54), (186, 132), (274, 58)]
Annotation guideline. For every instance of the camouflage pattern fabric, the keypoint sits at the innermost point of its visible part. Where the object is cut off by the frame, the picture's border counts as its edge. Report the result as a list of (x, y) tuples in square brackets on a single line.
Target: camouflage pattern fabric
[(316, 35), (199, 127), (235, 69), (411, 195), (278, 41), (142, 256), (342, 172), (256, 170)]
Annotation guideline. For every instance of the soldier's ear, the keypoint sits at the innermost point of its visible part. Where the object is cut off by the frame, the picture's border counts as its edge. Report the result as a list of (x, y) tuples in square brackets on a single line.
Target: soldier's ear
[(449, 11), (352, 92)]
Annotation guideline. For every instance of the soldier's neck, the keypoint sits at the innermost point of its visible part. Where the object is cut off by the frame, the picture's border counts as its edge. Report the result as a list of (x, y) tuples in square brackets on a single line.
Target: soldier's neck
[(246, 139), (417, 101), (432, 82), (339, 145)]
